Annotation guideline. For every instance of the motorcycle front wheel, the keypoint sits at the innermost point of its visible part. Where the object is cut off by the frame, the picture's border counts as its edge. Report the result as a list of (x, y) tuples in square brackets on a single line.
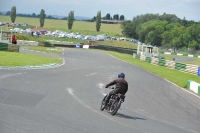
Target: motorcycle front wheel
[(103, 103)]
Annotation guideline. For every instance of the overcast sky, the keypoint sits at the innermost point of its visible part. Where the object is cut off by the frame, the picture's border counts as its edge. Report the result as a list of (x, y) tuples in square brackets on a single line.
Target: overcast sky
[(190, 9)]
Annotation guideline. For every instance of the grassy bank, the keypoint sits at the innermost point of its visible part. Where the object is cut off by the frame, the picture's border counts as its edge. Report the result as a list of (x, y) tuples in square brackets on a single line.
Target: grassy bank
[(23, 59), (78, 26), (122, 44)]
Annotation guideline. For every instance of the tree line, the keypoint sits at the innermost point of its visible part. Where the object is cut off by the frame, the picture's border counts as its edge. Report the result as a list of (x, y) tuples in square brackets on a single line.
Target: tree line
[(115, 17), (109, 17), (34, 15), (166, 30), (70, 17)]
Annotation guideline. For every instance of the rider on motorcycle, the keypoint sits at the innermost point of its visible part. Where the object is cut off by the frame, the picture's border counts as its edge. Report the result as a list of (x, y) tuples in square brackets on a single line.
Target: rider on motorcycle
[(121, 87)]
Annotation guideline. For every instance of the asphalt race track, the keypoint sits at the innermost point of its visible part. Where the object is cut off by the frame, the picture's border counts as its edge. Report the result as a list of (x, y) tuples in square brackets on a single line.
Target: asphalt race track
[(67, 99), (179, 58)]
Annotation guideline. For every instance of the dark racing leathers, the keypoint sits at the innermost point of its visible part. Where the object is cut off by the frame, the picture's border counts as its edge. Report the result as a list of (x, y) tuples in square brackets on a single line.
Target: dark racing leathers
[(121, 87)]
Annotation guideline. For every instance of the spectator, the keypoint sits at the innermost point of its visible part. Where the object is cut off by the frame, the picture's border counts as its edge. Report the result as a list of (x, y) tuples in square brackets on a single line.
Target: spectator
[(14, 39)]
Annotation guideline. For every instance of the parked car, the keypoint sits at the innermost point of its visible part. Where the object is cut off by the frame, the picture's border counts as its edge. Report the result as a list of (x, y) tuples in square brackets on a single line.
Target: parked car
[(36, 33), (108, 38), (113, 38), (43, 32), (87, 38), (122, 38)]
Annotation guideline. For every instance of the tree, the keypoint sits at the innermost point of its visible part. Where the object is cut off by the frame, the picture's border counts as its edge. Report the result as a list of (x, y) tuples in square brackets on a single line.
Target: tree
[(144, 18), (166, 39), (107, 16), (104, 18), (70, 19), (42, 17), (193, 45), (121, 17), (191, 37), (50, 17), (98, 21), (128, 29), (94, 18), (8, 13), (13, 14), (170, 18), (150, 31), (177, 34), (34, 15), (64, 18), (116, 16)]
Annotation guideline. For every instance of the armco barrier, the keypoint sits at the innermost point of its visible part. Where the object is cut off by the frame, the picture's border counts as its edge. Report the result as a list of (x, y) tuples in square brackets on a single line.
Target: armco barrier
[(13, 48), (68, 45), (193, 69), (28, 43), (116, 49), (3, 46), (193, 86), (9, 47), (102, 47)]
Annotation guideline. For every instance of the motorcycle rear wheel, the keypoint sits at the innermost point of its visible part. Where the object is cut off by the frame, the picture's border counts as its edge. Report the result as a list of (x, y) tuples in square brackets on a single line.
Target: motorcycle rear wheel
[(115, 107)]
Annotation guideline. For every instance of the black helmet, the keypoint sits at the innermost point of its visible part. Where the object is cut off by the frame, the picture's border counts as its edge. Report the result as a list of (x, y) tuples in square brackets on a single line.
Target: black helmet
[(121, 75)]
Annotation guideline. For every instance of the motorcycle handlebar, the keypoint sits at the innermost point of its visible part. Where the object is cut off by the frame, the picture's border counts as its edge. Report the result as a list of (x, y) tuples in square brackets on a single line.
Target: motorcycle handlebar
[(110, 87)]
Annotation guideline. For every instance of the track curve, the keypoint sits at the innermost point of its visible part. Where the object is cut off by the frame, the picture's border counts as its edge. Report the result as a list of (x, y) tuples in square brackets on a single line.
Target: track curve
[(67, 99)]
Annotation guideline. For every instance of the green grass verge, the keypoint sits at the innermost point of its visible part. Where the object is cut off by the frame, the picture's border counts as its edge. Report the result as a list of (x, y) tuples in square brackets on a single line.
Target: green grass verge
[(175, 76), (168, 58), (122, 44), (53, 50), (23, 59)]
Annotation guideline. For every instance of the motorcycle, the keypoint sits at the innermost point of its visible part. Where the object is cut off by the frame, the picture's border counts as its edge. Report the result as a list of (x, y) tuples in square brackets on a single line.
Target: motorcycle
[(114, 103)]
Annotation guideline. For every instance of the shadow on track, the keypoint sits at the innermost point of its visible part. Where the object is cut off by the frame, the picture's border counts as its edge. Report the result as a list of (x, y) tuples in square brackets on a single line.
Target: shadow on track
[(128, 117)]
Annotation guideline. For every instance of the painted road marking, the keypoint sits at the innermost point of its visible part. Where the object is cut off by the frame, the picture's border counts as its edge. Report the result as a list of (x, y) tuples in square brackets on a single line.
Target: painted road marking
[(10, 75), (87, 106), (91, 74)]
